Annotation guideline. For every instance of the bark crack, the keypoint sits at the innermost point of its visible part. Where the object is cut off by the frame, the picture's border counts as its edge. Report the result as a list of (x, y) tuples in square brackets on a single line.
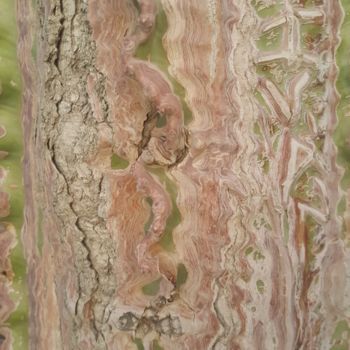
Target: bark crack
[(76, 223)]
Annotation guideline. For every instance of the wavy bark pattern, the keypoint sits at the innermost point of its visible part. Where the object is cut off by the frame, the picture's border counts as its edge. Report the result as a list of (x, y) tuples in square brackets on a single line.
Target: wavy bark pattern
[(218, 233)]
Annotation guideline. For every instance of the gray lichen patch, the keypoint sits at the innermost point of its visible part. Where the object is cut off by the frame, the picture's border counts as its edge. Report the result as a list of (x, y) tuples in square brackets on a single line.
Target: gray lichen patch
[(149, 322)]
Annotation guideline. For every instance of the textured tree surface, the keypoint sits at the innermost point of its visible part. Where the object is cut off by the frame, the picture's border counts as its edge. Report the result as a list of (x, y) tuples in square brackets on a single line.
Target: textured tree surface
[(181, 177)]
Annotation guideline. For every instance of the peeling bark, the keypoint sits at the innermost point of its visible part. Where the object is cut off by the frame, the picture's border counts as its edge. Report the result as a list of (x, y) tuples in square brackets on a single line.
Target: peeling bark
[(220, 233)]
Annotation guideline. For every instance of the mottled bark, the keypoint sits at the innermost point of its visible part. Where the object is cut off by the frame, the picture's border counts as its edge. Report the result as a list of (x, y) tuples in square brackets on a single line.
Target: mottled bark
[(148, 226)]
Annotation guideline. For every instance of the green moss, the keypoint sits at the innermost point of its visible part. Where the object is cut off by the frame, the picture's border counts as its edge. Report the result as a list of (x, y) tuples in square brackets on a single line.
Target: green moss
[(181, 276), (174, 219), (257, 129), (258, 256), (311, 34), (341, 135), (139, 344), (267, 11), (344, 346), (118, 162), (341, 336), (153, 50), (312, 230), (271, 40), (152, 288), (342, 329), (260, 286), (10, 103), (248, 251), (266, 165), (341, 206), (156, 346), (161, 121)]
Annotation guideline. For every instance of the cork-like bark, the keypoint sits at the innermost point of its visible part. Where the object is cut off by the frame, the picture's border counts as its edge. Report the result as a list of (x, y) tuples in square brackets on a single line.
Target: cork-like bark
[(180, 175)]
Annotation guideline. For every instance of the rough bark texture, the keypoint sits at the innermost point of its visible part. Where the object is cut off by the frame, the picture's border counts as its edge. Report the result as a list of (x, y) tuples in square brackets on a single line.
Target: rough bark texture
[(220, 233)]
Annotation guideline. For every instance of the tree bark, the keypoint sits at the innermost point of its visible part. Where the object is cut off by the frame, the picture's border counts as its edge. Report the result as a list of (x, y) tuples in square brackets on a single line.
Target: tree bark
[(182, 191)]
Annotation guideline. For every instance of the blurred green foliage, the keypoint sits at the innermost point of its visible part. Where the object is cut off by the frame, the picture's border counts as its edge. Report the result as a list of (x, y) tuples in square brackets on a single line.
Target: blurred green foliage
[(10, 105), (153, 50), (152, 288), (342, 133)]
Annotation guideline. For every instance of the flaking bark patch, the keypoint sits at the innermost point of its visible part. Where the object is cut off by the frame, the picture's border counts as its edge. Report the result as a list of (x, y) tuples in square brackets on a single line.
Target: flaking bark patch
[(67, 138)]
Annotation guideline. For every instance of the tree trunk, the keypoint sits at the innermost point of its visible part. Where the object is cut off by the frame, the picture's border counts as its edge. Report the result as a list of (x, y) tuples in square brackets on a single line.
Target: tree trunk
[(180, 175)]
